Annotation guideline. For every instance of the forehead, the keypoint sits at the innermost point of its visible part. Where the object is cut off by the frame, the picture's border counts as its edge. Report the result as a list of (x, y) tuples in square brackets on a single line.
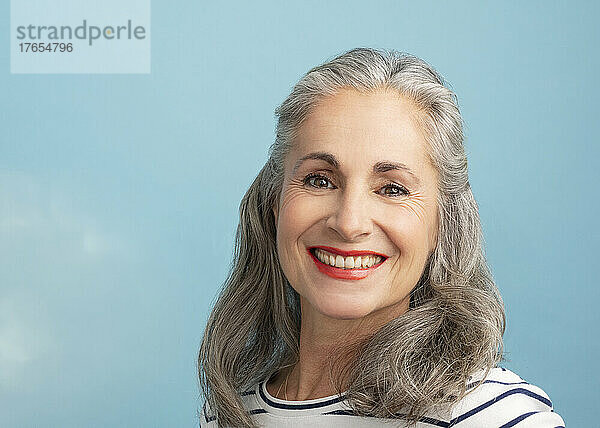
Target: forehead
[(366, 127)]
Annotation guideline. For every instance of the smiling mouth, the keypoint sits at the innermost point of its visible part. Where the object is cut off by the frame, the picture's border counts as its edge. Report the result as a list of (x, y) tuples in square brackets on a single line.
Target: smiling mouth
[(344, 263)]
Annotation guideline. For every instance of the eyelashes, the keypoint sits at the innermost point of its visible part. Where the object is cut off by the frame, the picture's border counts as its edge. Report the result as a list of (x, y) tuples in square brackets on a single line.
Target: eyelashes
[(310, 179), (323, 182)]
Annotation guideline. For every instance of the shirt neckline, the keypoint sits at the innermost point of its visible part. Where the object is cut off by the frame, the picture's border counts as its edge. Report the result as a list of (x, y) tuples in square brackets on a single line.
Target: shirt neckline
[(336, 404), (293, 408)]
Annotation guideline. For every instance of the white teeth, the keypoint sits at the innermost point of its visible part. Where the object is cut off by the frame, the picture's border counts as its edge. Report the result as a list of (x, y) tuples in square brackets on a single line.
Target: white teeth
[(319, 255), (347, 262)]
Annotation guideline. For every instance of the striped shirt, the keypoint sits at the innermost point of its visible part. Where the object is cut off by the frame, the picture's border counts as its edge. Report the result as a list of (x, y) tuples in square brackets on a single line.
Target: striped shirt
[(503, 400)]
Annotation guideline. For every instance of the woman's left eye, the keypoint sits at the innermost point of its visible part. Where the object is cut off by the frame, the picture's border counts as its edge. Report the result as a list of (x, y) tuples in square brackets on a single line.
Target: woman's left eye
[(394, 190)]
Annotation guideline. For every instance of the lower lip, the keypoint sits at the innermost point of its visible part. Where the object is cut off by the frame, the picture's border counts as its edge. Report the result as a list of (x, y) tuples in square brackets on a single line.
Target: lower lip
[(340, 273)]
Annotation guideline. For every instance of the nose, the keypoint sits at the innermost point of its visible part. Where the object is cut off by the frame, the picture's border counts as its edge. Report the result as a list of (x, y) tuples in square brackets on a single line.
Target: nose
[(351, 219)]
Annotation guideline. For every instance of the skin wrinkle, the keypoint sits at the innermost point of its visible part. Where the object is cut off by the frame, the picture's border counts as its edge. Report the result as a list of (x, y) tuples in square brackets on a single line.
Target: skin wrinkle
[(380, 167), (456, 314), (350, 212)]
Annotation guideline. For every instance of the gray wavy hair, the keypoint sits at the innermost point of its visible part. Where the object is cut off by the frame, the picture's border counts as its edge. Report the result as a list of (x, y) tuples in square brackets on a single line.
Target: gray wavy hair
[(416, 362)]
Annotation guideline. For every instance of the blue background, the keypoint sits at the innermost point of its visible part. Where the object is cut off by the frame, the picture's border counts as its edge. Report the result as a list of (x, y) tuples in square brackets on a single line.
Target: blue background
[(119, 193)]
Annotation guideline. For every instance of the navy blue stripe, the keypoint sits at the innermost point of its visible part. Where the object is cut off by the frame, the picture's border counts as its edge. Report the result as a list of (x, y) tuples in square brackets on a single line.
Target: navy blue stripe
[(424, 419), (298, 406), (498, 398), (469, 386), (517, 420), (252, 412), (433, 421), (206, 417), (340, 412)]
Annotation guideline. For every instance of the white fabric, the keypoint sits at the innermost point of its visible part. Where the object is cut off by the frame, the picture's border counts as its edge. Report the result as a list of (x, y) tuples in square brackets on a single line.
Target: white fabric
[(503, 400)]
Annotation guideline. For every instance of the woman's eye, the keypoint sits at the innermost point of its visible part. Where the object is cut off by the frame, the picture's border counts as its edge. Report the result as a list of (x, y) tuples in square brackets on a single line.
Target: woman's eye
[(318, 181), (394, 190)]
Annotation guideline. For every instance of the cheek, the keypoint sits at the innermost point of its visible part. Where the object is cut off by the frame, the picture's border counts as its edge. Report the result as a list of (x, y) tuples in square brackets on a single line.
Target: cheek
[(296, 214), (410, 236), (411, 228)]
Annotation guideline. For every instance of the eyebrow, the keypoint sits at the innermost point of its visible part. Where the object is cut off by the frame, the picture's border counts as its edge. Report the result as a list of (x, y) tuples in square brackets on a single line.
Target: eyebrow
[(379, 167)]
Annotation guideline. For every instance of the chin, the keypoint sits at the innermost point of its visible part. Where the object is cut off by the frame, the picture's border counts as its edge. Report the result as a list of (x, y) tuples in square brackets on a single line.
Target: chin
[(344, 310)]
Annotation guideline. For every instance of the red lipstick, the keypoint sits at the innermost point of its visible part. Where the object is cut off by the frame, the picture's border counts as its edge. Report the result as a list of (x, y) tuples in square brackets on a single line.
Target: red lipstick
[(339, 273)]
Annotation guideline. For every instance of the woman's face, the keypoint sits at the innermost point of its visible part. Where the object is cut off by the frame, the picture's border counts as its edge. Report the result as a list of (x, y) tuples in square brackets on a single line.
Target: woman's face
[(358, 193)]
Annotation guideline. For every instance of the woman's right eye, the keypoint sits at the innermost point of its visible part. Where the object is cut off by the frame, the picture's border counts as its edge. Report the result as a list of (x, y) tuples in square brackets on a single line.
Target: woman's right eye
[(318, 181)]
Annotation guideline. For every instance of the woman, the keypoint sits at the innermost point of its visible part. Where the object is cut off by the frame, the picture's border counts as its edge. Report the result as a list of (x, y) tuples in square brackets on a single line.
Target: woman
[(359, 294)]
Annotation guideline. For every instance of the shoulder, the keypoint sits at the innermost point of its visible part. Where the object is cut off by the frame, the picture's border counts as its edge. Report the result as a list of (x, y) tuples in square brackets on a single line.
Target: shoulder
[(208, 417), (504, 399)]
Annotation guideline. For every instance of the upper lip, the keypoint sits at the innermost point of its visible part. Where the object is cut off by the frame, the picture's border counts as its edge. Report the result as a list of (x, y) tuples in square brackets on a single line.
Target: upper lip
[(349, 252)]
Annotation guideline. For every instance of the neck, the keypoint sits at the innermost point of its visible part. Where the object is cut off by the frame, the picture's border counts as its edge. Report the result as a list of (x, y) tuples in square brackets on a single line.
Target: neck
[(327, 347)]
